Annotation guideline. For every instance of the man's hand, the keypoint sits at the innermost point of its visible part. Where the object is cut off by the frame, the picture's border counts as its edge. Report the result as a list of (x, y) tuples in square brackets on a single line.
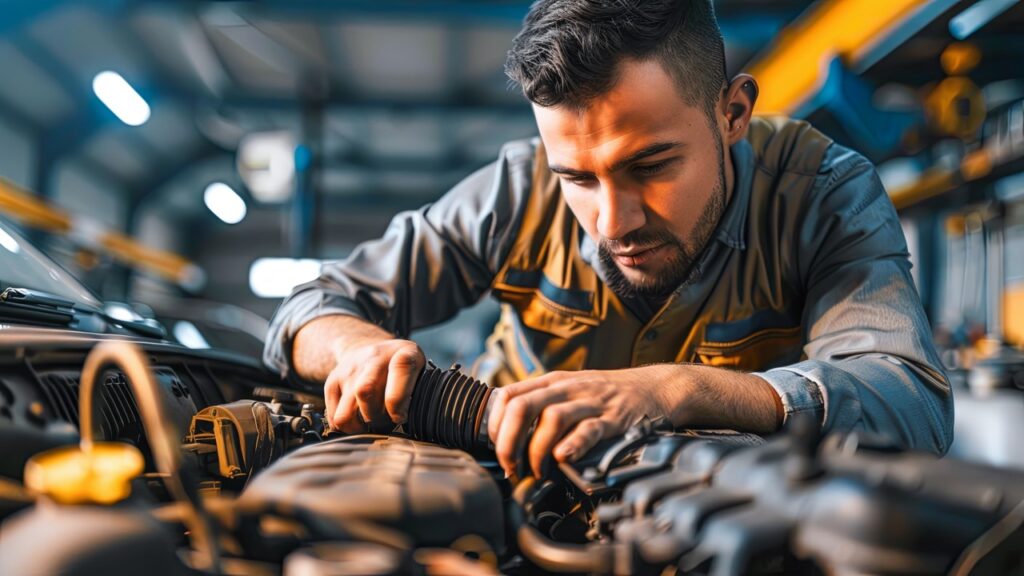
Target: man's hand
[(372, 383), (573, 411), (368, 374)]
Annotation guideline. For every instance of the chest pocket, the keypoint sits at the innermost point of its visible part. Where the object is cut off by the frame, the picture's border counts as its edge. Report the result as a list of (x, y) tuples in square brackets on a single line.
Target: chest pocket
[(544, 307), (546, 327), (766, 339)]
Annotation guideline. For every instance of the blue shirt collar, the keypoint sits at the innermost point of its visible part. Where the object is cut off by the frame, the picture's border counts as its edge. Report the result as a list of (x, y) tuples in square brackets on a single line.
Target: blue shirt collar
[(732, 229)]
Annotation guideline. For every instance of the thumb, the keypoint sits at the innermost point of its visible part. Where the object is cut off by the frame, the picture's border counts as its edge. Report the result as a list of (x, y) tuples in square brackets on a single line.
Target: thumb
[(403, 370)]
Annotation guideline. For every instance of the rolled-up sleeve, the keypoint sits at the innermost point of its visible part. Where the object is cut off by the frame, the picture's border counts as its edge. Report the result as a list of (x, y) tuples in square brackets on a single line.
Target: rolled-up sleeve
[(428, 265), (871, 363)]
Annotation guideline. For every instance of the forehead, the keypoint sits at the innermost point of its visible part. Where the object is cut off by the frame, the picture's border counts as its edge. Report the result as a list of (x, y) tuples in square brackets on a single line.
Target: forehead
[(643, 107)]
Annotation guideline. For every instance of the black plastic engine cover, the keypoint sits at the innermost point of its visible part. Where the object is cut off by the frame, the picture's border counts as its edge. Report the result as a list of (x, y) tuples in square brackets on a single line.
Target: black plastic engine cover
[(433, 495)]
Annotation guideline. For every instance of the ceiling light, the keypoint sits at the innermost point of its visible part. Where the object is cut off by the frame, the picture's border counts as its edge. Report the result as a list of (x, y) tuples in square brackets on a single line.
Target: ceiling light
[(118, 95), (224, 202), (276, 277), (266, 163), (973, 18), (8, 242)]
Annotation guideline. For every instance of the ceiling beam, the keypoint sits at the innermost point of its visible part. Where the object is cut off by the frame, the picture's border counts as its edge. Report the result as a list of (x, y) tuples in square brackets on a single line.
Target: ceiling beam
[(65, 135), (148, 192)]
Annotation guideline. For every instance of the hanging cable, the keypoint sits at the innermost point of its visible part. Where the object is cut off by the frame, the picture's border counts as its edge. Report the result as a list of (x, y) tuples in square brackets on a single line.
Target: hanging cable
[(164, 440)]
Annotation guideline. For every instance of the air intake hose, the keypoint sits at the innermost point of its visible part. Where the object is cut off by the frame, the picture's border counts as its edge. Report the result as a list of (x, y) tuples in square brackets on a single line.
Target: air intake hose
[(449, 407)]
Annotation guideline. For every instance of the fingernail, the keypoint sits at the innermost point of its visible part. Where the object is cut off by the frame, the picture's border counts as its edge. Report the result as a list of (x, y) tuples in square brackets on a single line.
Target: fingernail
[(507, 474)]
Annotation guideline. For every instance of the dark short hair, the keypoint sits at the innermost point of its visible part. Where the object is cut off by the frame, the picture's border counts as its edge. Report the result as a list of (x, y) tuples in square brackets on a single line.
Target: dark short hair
[(569, 51)]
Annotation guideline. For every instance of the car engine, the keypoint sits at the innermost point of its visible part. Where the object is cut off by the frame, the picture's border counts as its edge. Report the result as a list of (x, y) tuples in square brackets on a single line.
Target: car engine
[(145, 464)]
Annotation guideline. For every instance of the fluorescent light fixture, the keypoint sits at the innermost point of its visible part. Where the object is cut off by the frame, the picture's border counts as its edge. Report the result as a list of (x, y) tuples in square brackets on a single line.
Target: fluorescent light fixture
[(276, 277), (1010, 188), (224, 202), (8, 242), (266, 163), (973, 18), (189, 336), (118, 95)]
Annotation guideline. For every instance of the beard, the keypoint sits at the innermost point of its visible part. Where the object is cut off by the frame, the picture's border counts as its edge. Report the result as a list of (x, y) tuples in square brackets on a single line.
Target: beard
[(679, 269)]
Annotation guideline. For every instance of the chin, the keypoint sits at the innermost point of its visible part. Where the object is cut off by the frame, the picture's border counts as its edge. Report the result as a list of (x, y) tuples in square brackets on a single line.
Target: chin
[(642, 276)]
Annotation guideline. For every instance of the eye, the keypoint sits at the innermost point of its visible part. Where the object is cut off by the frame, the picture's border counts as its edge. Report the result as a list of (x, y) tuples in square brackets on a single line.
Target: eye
[(578, 180), (650, 169)]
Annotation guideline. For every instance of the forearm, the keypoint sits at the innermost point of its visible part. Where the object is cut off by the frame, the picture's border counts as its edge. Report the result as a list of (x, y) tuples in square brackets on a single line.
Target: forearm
[(318, 344), (707, 397), (429, 264)]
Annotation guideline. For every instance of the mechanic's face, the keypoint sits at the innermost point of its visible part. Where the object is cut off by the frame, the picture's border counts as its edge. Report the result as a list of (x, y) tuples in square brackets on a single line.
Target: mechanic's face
[(645, 173)]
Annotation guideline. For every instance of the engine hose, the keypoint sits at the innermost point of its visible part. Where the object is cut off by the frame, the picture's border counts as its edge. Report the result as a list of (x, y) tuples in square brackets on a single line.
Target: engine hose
[(449, 407), (594, 558), (163, 439)]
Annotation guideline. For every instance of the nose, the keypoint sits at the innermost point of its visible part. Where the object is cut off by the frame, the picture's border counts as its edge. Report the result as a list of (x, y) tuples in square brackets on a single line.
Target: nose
[(620, 211)]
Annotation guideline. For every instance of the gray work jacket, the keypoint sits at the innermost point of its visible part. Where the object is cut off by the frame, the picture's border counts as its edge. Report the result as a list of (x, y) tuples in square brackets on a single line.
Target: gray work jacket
[(806, 283)]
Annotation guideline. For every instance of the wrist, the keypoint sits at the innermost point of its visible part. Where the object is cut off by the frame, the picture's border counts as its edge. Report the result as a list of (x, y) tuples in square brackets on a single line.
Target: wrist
[(769, 391), (673, 390), (697, 396)]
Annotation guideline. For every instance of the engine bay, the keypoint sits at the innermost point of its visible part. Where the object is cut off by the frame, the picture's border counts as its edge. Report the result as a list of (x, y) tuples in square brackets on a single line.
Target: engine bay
[(132, 457)]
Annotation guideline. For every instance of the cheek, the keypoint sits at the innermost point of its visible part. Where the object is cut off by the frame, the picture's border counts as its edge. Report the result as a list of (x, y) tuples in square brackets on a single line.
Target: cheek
[(680, 202), (584, 207)]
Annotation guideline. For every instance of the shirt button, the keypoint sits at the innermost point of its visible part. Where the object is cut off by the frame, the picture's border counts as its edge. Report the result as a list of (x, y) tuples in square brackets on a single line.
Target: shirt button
[(651, 335)]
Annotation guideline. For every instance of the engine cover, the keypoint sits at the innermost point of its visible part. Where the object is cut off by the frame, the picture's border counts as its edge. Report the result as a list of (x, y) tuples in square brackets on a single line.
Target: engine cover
[(435, 496)]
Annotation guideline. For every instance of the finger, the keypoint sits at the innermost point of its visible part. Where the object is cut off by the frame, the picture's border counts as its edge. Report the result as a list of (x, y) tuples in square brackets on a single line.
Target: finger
[(583, 437), (332, 393), (346, 415), (368, 388), (519, 414), (403, 370), (555, 421), (506, 393), (440, 561)]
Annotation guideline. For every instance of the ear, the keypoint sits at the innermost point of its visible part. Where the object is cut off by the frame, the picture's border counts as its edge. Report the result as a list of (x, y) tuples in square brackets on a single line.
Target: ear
[(738, 103)]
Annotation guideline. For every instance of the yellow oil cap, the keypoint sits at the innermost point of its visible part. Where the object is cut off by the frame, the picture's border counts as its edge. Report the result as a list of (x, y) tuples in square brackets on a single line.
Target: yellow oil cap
[(101, 474)]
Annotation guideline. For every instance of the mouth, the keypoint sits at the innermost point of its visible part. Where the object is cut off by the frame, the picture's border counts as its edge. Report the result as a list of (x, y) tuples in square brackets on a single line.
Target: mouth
[(638, 257)]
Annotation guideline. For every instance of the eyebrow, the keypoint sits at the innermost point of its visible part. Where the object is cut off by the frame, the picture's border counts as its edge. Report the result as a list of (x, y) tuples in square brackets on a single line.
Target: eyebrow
[(647, 152)]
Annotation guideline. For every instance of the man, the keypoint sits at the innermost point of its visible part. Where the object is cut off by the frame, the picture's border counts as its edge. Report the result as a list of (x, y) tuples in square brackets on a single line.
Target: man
[(659, 252)]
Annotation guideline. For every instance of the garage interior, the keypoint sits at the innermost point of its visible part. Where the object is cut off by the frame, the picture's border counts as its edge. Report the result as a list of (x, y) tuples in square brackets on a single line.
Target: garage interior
[(192, 162)]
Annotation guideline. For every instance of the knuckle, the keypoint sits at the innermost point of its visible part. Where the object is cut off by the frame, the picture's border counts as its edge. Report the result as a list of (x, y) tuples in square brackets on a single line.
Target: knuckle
[(516, 388), (365, 391), (592, 428), (555, 415), (406, 358), (500, 402), (392, 403), (516, 408)]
